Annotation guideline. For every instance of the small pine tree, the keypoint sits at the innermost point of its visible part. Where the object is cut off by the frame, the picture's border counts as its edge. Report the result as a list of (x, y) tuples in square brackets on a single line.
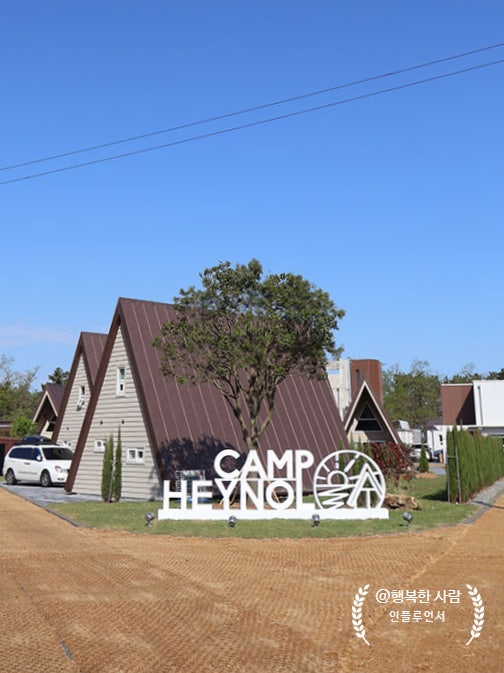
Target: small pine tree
[(108, 466), (423, 465), (117, 477)]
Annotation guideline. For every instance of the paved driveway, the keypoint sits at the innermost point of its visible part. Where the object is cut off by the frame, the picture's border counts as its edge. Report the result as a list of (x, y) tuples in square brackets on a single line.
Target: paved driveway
[(45, 496)]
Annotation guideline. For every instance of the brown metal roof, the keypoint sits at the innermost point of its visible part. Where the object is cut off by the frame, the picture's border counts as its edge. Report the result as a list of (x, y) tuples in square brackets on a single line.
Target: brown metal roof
[(56, 391), (93, 345), (50, 403), (188, 424), (457, 404)]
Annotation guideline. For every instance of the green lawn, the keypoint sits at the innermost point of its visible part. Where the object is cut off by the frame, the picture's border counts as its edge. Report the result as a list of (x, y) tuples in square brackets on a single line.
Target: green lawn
[(130, 516)]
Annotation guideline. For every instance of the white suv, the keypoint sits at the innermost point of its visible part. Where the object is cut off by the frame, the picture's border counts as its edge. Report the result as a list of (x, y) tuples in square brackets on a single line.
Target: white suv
[(44, 463)]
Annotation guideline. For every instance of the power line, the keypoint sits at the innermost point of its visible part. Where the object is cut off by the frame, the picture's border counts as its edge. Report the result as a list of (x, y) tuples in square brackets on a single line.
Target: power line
[(261, 122), (256, 108)]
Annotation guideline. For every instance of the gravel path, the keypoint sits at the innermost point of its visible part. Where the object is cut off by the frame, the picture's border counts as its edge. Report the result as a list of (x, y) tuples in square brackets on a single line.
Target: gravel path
[(78, 600)]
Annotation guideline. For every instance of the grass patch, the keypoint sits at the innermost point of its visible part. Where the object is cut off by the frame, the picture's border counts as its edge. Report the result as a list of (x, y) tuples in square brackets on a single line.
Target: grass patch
[(130, 516)]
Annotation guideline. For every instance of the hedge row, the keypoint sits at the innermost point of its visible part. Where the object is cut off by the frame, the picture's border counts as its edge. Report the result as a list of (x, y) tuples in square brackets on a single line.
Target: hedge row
[(473, 462)]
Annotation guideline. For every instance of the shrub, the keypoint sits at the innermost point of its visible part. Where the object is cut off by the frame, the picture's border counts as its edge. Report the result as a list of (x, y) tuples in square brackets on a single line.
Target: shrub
[(107, 470), (394, 461), (22, 425), (473, 461), (117, 477), (423, 465)]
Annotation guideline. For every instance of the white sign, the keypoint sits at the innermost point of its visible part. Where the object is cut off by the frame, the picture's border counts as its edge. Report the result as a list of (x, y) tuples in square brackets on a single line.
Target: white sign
[(347, 484)]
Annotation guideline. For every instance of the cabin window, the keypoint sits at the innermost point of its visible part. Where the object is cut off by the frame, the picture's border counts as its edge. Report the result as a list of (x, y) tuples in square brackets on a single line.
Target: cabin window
[(99, 445), (135, 456), (367, 421), (82, 397), (121, 377)]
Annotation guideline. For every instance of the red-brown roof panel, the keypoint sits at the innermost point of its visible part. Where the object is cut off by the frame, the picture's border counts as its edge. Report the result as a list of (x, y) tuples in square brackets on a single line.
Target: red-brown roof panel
[(189, 424)]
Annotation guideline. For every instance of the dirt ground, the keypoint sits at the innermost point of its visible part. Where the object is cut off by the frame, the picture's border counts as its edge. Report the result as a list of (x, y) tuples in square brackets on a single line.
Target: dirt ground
[(79, 600)]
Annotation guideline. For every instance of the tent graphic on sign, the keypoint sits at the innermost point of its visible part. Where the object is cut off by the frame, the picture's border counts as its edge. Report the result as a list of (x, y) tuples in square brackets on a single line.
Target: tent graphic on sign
[(335, 485)]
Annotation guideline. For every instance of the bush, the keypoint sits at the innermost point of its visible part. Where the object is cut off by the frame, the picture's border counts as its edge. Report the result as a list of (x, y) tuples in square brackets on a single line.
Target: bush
[(472, 462), (394, 461), (117, 477), (107, 470), (22, 426), (423, 465)]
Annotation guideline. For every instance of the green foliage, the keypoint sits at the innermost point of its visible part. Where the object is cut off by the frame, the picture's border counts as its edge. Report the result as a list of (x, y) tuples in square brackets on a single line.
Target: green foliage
[(468, 374), (412, 396), (430, 493), (423, 465), (496, 376), (22, 425), (59, 376), (107, 470), (473, 462), (394, 461), (16, 397), (245, 334), (117, 476)]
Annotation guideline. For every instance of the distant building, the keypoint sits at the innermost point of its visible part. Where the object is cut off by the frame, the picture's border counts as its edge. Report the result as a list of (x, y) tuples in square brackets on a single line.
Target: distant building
[(366, 421), (346, 377), (476, 407), (47, 411)]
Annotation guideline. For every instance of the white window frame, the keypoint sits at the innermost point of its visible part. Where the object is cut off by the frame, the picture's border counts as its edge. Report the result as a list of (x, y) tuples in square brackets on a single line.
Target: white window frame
[(135, 456), (82, 397), (121, 381), (99, 445)]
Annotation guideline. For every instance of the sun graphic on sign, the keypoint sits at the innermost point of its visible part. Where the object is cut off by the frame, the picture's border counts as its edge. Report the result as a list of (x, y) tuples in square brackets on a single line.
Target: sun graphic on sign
[(348, 478)]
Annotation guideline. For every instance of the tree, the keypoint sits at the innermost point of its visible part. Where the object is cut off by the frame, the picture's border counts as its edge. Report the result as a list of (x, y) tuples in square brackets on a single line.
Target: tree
[(245, 334), (466, 375), (108, 466), (16, 395), (423, 465), (496, 376), (22, 425), (59, 376), (117, 476), (412, 396), (394, 461)]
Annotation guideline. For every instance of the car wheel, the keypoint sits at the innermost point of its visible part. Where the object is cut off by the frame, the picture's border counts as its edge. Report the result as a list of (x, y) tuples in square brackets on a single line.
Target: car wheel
[(10, 478), (45, 479)]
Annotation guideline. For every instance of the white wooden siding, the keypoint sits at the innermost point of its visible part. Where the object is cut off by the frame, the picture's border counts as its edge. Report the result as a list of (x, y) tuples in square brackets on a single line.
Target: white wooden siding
[(73, 418), (139, 480)]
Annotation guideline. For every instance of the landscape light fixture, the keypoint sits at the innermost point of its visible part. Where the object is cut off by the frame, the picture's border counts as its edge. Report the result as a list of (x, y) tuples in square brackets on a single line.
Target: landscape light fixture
[(316, 520), (232, 521), (408, 517), (149, 518)]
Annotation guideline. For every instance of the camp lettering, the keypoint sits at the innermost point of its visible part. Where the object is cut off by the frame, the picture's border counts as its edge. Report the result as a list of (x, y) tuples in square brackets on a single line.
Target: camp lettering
[(258, 484), (346, 484)]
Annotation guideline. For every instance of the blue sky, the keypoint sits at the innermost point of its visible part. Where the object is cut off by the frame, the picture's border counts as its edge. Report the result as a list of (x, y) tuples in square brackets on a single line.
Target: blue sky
[(392, 203)]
